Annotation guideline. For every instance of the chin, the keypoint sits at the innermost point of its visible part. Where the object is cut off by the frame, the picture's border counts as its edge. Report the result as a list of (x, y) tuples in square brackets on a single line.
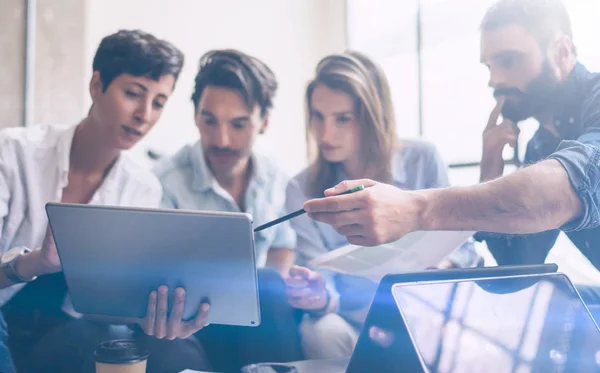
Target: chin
[(516, 114), (333, 158), (123, 144)]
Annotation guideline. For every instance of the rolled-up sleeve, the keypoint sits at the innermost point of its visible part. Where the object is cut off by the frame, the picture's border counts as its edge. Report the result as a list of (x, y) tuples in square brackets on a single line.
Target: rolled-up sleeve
[(581, 160), (582, 163)]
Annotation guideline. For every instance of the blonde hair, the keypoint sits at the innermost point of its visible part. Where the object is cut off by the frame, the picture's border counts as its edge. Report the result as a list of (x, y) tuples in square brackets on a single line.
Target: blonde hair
[(359, 77)]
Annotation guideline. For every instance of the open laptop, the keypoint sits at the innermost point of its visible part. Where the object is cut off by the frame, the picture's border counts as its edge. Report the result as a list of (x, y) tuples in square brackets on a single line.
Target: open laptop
[(114, 257), (484, 323), (384, 312)]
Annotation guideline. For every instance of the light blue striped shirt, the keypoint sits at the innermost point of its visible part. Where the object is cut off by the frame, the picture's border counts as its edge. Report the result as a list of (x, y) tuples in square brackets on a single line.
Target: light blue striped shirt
[(188, 183)]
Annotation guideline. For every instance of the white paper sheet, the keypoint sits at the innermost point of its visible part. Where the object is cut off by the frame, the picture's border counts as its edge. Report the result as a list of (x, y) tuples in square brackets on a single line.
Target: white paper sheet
[(413, 252)]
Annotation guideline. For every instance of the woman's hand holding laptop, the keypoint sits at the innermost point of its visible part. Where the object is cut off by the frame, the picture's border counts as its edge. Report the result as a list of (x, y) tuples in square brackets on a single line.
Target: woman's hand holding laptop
[(157, 324)]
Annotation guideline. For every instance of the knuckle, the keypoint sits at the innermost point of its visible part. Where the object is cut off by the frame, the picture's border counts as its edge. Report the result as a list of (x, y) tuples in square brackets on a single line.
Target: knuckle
[(335, 205)]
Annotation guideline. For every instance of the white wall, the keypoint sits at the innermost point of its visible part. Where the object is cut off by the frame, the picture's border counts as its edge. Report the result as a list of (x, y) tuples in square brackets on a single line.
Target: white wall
[(289, 35)]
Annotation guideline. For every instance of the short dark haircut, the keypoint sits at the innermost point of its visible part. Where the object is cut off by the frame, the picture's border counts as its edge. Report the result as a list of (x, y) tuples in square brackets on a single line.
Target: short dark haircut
[(233, 69), (542, 18), (137, 53)]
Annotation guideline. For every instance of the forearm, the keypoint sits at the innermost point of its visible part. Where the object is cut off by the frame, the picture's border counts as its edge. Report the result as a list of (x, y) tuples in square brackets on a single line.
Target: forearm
[(534, 199), (281, 260)]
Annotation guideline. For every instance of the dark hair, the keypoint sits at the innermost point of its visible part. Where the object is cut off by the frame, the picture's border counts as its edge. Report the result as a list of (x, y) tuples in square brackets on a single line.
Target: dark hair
[(233, 69), (137, 53), (542, 18)]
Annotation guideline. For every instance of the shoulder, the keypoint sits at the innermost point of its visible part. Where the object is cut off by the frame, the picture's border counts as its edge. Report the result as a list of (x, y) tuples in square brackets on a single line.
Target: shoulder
[(300, 182), (270, 171), (414, 150), (30, 137), (175, 166), (139, 177)]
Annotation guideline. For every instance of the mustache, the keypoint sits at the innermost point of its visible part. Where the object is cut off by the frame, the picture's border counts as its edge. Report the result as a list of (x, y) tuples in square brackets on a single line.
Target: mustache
[(223, 151), (508, 92)]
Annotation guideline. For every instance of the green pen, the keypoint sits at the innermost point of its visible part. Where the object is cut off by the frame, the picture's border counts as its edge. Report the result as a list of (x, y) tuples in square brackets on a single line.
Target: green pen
[(301, 211)]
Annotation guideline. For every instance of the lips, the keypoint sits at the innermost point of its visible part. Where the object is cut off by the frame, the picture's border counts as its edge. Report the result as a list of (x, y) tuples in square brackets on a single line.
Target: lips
[(328, 148), (131, 131)]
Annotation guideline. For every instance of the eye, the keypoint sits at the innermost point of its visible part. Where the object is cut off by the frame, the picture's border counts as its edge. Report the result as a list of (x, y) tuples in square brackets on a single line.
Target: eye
[(210, 122), (507, 62), (132, 94), (158, 105), (315, 115), (239, 125), (344, 119)]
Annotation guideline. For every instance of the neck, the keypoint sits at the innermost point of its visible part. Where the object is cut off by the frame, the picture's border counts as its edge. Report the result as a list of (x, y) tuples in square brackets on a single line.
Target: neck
[(88, 153), (234, 179), (354, 167)]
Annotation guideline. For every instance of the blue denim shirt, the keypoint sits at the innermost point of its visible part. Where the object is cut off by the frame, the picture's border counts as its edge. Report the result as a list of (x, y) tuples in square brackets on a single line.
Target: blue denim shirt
[(417, 165), (6, 363), (188, 183), (577, 120)]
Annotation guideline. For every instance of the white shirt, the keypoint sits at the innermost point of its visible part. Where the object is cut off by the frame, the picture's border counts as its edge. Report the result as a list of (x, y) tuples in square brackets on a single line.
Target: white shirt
[(34, 170)]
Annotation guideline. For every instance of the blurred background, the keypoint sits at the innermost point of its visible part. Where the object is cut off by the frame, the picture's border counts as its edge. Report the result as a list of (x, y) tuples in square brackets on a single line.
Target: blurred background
[(428, 48)]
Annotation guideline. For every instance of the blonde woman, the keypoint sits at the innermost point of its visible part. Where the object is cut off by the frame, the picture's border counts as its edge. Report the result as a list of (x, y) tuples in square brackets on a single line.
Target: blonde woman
[(351, 124)]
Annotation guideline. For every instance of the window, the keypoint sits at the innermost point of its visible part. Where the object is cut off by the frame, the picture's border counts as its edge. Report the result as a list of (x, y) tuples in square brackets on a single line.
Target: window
[(430, 51)]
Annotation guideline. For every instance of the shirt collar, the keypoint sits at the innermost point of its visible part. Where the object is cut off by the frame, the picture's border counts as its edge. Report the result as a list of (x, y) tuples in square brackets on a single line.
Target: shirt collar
[(63, 151), (63, 145), (568, 102)]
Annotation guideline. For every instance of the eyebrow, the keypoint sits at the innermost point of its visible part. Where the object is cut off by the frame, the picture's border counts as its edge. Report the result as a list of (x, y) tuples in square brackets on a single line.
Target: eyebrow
[(506, 53), (340, 113), (145, 89)]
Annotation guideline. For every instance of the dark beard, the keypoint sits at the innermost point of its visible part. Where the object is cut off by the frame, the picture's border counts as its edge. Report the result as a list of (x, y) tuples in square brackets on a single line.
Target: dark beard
[(537, 96)]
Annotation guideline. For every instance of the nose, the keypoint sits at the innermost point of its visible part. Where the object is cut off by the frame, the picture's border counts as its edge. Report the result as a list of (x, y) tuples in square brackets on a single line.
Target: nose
[(143, 114), (496, 79), (327, 131), (222, 137)]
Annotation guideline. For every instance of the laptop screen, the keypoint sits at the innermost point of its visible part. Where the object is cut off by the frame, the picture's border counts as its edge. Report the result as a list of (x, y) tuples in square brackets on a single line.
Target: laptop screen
[(521, 324)]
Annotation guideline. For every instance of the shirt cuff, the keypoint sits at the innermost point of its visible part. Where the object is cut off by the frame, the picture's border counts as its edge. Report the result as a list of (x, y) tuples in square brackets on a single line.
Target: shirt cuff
[(582, 164)]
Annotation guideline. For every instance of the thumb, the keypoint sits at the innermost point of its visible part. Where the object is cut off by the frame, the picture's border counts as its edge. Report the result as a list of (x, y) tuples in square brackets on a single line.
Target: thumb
[(298, 271), (347, 185)]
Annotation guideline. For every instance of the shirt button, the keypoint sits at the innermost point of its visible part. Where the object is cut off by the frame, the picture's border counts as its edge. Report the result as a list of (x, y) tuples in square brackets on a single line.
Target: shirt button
[(557, 122), (571, 120)]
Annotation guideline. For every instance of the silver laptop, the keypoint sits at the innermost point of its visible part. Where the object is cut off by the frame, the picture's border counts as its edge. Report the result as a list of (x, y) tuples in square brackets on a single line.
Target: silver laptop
[(113, 257)]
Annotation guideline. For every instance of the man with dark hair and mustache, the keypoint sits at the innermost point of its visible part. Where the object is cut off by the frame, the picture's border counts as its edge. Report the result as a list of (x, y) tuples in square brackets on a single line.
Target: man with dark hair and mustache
[(527, 46), (233, 97)]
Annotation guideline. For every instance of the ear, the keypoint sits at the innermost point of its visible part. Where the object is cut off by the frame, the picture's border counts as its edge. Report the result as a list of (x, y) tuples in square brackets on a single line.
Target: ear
[(563, 56), (95, 86), (265, 124)]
